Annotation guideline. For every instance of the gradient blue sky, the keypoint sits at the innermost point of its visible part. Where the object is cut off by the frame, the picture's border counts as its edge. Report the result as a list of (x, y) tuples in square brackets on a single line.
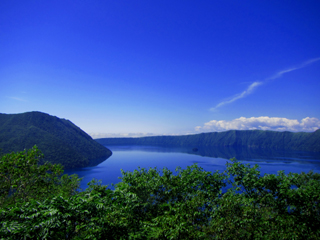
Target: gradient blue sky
[(136, 68)]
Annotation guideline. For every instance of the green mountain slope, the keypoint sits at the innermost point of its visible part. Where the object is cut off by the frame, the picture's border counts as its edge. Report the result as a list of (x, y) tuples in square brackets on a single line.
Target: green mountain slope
[(59, 139), (301, 141)]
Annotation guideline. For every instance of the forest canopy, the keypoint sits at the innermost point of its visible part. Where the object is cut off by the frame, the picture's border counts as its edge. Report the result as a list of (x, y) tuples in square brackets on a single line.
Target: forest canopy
[(38, 202)]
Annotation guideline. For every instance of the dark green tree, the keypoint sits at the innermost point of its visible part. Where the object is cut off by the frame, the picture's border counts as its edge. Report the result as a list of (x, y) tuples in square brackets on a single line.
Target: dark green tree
[(23, 179)]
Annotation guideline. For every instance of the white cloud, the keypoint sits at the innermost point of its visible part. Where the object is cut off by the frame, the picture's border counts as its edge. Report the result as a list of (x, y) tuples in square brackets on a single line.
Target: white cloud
[(17, 99), (246, 92), (254, 85), (262, 123), (131, 135), (119, 135)]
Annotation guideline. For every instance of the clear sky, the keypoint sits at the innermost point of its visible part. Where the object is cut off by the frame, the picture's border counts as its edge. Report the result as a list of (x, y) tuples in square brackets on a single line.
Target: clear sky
[(135, 68)]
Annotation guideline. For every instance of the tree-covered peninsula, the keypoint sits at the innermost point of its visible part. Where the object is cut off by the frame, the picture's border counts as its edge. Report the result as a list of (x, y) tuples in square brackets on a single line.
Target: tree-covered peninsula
[(301, 141), (59, 139)]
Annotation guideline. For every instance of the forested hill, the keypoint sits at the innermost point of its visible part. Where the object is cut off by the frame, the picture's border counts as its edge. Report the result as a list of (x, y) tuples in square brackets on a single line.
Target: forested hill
[(59, 139), (301, 141)]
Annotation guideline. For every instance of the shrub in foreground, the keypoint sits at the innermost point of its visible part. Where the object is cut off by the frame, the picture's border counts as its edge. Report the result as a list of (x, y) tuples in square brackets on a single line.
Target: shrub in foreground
[(187, 204), (23, 179)]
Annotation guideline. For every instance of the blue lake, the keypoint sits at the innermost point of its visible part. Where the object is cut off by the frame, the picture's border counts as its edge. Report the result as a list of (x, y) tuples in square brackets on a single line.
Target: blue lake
[(130, 158)]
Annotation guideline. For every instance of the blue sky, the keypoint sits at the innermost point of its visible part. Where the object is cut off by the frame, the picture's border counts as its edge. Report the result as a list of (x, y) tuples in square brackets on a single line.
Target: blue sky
[(136, 68)]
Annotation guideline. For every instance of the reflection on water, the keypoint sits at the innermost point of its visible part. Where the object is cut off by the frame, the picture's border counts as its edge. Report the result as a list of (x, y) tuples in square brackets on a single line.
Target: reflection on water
[(130, 158), (239, 153)]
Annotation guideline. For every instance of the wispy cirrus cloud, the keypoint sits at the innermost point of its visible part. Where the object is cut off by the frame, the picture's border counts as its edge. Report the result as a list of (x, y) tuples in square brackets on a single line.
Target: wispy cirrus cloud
[(304, 64), (262, 123), (250, 89), (18, 99), (246, 92)]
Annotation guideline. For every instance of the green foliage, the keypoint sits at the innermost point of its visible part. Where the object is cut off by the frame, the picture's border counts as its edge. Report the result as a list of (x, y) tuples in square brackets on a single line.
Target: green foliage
[(22, 179), (60, 140), (187, 204), (268, 207), (301, 141)]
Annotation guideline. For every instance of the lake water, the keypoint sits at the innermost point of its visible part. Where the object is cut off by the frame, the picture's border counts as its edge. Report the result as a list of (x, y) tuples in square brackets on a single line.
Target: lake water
[(130, 158)]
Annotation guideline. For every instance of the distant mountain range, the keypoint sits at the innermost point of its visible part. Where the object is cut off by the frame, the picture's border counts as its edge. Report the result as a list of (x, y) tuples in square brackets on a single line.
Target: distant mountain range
[(59, 139), (300, 141)]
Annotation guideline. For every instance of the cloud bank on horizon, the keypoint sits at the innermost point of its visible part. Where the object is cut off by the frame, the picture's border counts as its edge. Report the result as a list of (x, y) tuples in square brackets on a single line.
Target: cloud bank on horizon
[(129, 135), (262, 123), (254, 85), (119, 135)]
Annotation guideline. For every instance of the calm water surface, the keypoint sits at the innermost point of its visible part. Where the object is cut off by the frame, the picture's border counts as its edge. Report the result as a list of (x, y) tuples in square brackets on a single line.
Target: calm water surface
[(130, 158)]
